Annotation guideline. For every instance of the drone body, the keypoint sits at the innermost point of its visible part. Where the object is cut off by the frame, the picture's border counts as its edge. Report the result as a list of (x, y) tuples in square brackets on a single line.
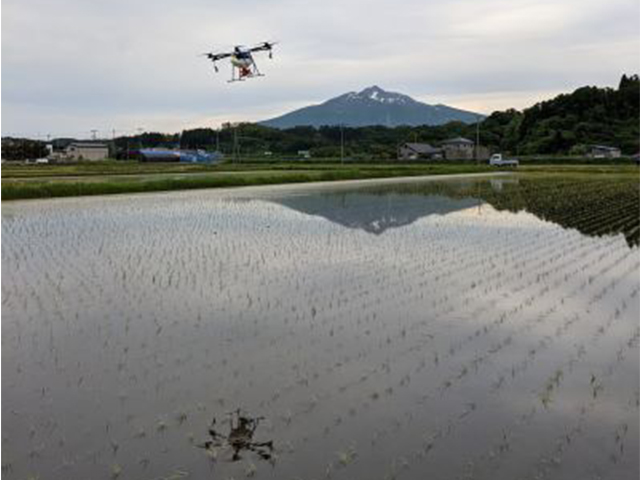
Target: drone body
[(243, 65)]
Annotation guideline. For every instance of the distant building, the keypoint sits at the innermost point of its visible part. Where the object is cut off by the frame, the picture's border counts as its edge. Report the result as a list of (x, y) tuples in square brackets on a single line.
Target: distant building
[(458, 149), (184, 156), (602, 151), (304, 154), (91, 151), (418, 151), (159, 155)]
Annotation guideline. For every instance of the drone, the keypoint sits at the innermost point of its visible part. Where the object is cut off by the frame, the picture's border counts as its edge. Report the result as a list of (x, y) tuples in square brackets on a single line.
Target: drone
[(242, 60)]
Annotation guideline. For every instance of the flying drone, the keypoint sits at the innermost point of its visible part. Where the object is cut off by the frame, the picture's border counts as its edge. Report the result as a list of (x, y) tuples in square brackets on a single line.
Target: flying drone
[(242, 60)]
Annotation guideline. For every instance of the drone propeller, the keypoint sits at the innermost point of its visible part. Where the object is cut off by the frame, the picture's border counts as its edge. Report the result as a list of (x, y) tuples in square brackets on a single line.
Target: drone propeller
[(213, 59), (270, 45), (264, 46)]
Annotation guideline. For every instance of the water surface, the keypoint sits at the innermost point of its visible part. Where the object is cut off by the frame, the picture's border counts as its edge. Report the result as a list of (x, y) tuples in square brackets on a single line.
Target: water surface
[(474, 328)]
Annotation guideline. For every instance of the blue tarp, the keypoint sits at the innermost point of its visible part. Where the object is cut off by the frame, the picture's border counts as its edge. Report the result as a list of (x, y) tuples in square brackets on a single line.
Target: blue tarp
[(187, 156)]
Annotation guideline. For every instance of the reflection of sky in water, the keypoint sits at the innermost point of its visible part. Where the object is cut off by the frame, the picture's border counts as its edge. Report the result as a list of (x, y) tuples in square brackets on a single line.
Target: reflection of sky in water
[(378, 333)]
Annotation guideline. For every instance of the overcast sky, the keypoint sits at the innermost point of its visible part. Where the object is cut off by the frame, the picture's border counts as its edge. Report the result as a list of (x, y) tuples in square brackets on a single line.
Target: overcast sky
[(70, 66)]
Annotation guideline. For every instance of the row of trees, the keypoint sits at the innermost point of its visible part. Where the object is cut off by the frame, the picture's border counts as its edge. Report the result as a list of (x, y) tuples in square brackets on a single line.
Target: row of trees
[(377, 142), (23, 149)]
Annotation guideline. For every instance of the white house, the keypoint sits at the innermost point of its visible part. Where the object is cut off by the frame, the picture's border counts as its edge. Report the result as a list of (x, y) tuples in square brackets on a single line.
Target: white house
[(87, 151)]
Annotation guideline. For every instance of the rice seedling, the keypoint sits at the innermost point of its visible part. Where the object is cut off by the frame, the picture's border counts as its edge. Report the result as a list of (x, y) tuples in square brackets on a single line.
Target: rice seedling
[(116, 470), (410, 317)]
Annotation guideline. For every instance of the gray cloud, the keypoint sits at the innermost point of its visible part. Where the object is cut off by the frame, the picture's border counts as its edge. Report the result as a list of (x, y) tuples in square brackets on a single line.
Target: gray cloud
[(73, 65)]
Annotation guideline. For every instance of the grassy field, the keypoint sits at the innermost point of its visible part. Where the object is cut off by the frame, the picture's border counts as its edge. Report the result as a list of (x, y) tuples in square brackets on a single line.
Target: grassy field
[(44, 181), (108, 178)]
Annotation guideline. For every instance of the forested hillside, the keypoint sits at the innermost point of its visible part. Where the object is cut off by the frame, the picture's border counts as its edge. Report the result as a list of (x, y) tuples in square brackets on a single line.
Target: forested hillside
[(569, 122)]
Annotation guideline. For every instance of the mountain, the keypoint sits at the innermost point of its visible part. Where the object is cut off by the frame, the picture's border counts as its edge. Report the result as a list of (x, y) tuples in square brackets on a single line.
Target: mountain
[(372, 106)]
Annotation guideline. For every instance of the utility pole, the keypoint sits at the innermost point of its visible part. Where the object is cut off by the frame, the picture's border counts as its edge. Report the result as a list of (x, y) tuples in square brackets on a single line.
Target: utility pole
[(477, 139), (217, 140), (236, 147), (342, 143)]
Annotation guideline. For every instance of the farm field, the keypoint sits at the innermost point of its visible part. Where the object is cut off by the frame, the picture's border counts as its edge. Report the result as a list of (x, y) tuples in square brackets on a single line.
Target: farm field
[(467, 328), (100, 178), (42, 181)]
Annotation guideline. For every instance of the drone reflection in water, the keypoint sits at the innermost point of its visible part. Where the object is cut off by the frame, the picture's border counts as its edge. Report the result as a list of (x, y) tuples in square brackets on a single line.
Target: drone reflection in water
[(242, 428)]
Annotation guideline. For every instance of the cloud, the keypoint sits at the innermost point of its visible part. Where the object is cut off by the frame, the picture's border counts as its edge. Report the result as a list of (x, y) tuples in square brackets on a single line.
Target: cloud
[(72, 65)]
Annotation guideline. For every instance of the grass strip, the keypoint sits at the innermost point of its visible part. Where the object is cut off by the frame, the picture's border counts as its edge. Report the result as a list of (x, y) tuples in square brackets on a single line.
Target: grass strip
[(14, 190)]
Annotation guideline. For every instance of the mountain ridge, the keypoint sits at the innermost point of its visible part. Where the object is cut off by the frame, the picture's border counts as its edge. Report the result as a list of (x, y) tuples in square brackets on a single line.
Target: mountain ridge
[(372, 106)]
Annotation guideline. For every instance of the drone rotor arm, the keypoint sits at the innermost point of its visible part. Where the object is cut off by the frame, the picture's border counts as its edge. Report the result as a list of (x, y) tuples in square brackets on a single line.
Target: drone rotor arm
[(216, 56), (264, 46)]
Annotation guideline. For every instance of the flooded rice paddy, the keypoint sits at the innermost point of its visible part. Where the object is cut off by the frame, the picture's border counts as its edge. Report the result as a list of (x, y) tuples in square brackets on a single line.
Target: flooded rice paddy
[(480, 328)]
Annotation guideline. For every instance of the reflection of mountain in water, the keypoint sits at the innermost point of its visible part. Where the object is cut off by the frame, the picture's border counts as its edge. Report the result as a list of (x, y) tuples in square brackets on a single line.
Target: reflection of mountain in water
[(375, 212), (594, 206)]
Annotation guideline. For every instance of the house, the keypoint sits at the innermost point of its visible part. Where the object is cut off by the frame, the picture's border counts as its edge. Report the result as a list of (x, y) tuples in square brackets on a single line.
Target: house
[(458, 148), (304, 154), (603, 151), (418, 151), (91, 151)]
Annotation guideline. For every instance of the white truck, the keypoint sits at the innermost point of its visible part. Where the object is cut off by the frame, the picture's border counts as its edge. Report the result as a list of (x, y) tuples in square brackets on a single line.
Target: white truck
[(496, 160)]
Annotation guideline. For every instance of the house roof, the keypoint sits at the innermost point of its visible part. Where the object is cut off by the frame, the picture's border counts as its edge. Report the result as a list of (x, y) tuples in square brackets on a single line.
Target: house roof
[(604, 147), (458, 140), (88, 145), (421, 147)]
